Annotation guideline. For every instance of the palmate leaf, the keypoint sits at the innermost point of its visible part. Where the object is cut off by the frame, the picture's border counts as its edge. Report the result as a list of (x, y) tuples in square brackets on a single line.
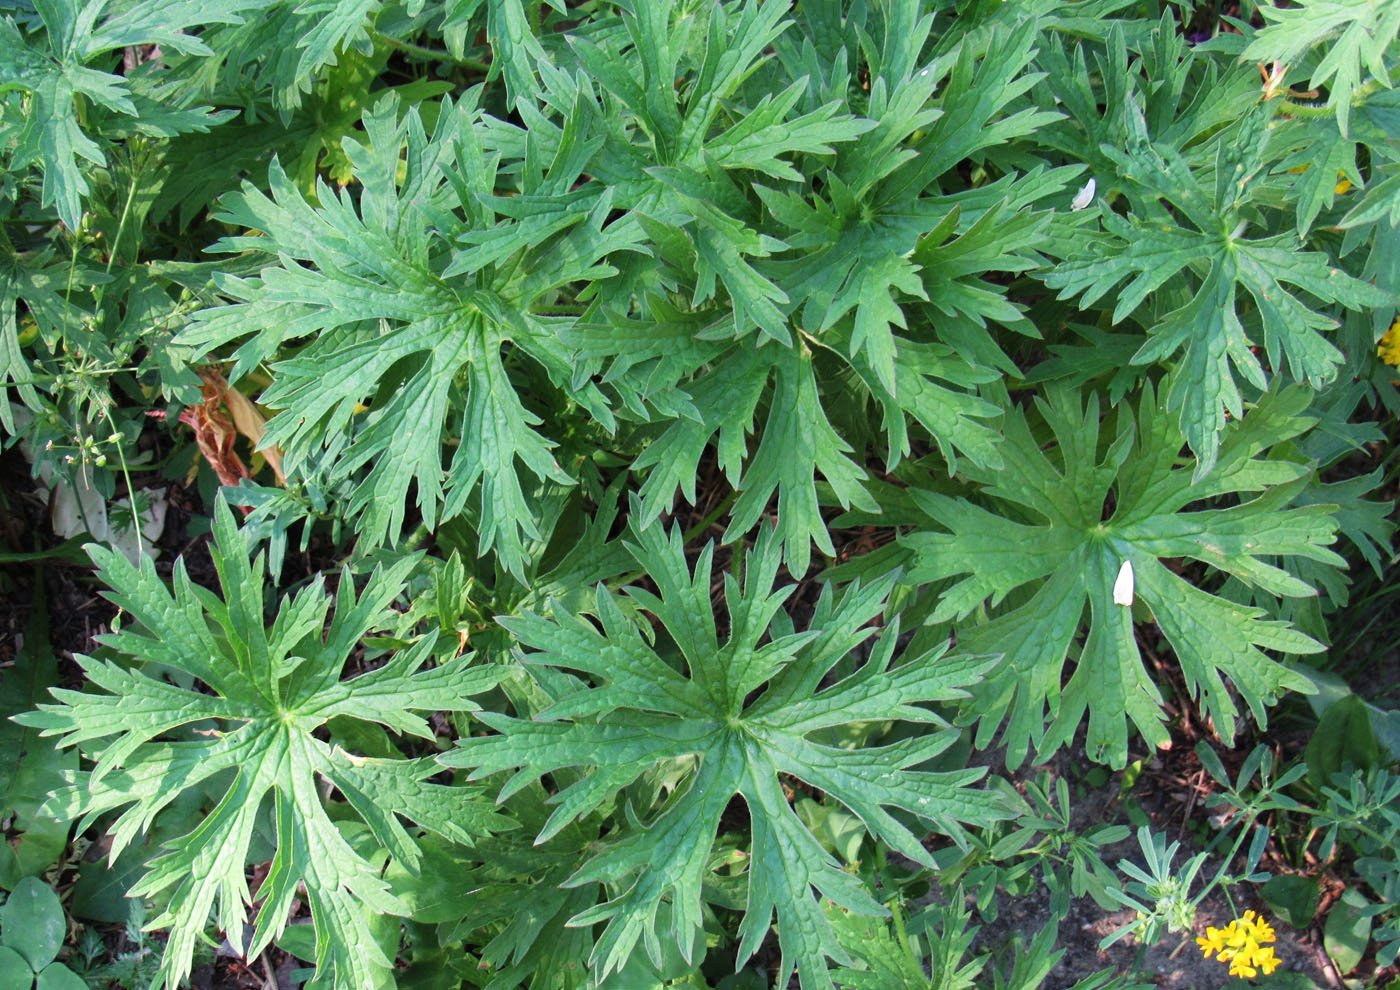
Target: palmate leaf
[(878, 245), (894, 960), (1150, 251), (1319, 143), (268, 690), (1183, 94), (514, 47), (415, 308), (523, 905), (1046, 532), (1357, 34), (56, 72), (635, 708), (283, 53), (331, 25), (1324, 163), (280, 55), (829, 234)]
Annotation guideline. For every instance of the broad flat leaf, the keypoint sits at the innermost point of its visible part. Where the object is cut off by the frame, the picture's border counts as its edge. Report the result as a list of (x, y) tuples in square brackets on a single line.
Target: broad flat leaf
[(14, 968), (1348, 930), (32, 922), (633, 709), (1043, 536), (1293, 897), (57, 976), (267, 690), (30, 768)]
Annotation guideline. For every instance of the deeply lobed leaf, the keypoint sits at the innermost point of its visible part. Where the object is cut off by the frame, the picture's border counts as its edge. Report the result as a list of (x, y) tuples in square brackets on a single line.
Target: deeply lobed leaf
[(1062, 526), (749, 709), (249, 735)]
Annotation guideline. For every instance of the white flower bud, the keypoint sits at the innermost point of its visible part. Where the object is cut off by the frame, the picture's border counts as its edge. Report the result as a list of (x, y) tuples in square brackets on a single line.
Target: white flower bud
[(1084, 197)]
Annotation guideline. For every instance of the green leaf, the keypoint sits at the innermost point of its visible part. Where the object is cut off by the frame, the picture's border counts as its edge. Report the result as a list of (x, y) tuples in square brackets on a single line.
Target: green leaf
[(1343, 735), (30, 768), (14, 969), (1348, 931), (33, 923), (1356, 32), (1378, 203), (1324, 156), (443, 889), (268, 689), (100, 891), (675, 964), (753, 226), (796, 438), (1292, 897), (53, 71), (766, 132), (1330, 688), (1045, 528), (893, 960), (335, 24), (514, 47), (57, 976), (1150, 250), (299, 940), (407, 333), (702, 708), (537, 938)]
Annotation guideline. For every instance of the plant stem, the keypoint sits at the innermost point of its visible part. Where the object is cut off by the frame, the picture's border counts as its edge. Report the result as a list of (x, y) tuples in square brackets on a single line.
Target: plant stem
[(121, 224), (130, 491), (432, 54), (1358, 95)]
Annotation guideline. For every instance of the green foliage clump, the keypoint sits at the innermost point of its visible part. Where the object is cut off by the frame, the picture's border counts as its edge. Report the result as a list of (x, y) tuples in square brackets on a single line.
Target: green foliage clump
[(730, 421)]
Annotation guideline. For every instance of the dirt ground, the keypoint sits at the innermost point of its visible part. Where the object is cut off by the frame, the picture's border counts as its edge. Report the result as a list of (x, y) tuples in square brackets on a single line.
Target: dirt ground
[(1174, 961)]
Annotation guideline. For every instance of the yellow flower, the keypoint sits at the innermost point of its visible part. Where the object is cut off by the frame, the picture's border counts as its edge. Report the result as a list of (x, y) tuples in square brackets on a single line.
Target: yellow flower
[(1213, 942), (1388, 349), (1263, 931), (1239, 944), (1238, 968)]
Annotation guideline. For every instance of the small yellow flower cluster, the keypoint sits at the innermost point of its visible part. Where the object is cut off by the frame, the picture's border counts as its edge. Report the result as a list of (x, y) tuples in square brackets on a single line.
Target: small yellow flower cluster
[(1388, 350), (1238, 943)]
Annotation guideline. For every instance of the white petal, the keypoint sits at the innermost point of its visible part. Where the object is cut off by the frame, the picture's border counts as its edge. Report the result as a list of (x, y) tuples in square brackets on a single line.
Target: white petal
[(1085, 196), (1123, 587)]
